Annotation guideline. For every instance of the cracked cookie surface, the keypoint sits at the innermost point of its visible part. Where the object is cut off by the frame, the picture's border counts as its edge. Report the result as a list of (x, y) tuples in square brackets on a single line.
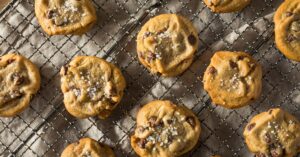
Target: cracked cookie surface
[(87, 147), (287, 29), (91, 87), (165, 129), (274, 133), (19, 81), (233, 79), (166, 44), (58, 17), (225, 6)]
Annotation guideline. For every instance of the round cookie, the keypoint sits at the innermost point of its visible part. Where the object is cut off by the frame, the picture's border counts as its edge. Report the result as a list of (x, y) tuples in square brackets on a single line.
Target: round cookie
[(275, 133), (62, 17), (87, 147), (226, 6), (164, 130), (233, 79), (287, 29), (19, 81), (166, 44), (91, 87)]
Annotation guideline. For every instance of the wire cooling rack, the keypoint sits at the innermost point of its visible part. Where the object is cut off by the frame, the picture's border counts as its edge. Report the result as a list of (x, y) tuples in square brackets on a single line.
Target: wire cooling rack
[(45, 128)]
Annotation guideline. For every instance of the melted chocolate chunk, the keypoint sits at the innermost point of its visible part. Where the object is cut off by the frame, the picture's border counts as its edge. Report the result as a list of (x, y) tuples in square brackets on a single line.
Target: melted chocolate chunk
[(152, 121), (51, 13), (240, 58), (212, 70), (169, 121), (191, 121), (251, 126), (9, 61), (17, 78), (192, 39), (142, 143), (233, 65)]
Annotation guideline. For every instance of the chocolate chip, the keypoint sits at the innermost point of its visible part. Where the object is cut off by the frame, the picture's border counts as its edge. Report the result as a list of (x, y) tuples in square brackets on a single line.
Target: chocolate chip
[(146, 34), (65, 69), (260, 155), (152, 121), (140, 129), (233, 65), (191, 121), (50, 14), (16, 94), (169, 121), (251, 126), (141, 54), (112, 102), (9, 61), (17, 78), (270, 111), (142, 143), (192, 39), (150, 57), (212, 70), (267, 139), (240, 57), (274, 153), (113, 92), (287, 14), (290, 38)]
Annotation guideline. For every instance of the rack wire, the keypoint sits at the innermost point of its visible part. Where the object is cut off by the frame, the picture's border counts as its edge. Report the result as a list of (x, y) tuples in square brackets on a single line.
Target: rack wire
[(45, 128)]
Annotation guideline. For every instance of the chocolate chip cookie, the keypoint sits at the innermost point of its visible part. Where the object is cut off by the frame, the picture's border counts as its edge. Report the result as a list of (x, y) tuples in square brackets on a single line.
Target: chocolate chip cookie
[(166, 44), (91, 87), (165, 130), (233, 79), (226, 6), (274, 133), (19, 81), (87, 147), (287, 29), (62, 17)]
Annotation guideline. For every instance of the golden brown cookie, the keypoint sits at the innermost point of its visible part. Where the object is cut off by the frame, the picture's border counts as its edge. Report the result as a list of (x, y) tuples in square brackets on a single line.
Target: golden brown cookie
[(166, 44), (226, 6), (65, 16), (233, 79), (87, 147), (91, 87), (287, 29), (275, 133), (19, 81), (165, 130)]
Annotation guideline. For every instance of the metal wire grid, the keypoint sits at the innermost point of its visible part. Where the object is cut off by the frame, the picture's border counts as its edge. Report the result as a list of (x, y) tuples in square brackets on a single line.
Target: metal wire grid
[(46, 128)]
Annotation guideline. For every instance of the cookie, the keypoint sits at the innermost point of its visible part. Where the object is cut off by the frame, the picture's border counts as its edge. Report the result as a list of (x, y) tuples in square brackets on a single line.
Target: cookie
[(91, 87), (62, 17), (19, 82), (226, 6), (233, 79), (164, 130), (275, 133), (287, 29), (87, 147), (166, 44)]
